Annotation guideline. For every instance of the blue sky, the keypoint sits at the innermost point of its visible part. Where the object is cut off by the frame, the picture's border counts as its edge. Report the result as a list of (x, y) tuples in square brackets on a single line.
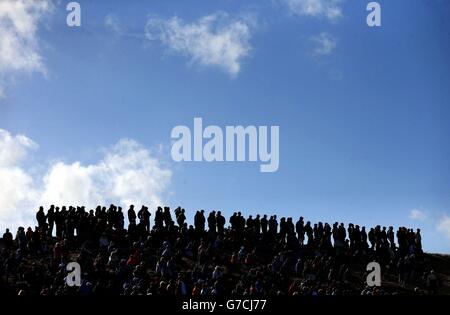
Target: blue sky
[(363, 112)]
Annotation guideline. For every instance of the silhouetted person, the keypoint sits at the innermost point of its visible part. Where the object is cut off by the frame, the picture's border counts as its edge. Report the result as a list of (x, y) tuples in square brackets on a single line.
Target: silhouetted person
[(273, 225), (249, 222), (384, 238), (120, 220), (257, 224), (372, 238), (59, 222), (212, 222), (309, 233), (167, 216), (364, 238), (41, 217), (199, 221), (391, 236), (299, 228), (132, 215), (51, 219), (233, 221), (290, 227), (418, 240), (264, 224), (144, 217), (159, 218), (181, 217), (220, 220), (8, 239)]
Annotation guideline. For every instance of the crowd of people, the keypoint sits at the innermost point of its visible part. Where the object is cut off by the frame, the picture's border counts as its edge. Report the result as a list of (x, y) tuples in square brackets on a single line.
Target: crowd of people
[(258, 255)]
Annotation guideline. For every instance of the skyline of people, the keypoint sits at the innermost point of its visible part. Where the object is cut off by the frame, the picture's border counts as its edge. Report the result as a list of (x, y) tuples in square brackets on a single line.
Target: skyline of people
[(254, 255)]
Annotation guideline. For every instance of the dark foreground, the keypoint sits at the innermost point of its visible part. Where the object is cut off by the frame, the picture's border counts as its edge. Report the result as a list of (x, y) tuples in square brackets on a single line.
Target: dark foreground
[(252, 258)]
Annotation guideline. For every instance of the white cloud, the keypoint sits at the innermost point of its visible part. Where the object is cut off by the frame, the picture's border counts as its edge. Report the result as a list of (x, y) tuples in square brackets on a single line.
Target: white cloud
[(13, 148), (19, 43), (443, 225), (439, 222), (213, 40), (417, 214), (325, 44), (127, 173), (17, 190), (329, 9), (112, 23)]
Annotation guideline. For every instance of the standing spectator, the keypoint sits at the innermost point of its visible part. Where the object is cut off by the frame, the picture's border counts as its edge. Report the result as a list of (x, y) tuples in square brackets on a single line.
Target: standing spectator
[(181, 218), (41, 217), (144, 217), (132, 215), (59, 219), (199, 221), (299, 228), (264, 224), (8, 239), (220, 221), (167, 216), (51, 219)]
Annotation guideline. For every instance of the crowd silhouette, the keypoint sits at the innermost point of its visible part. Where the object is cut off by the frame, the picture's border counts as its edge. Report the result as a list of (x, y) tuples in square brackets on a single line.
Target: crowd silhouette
[(258, 255)]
